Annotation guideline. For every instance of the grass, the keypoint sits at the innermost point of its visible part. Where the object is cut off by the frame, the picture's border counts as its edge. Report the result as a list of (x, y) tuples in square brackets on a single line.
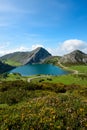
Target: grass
[(65, 79), (80, 68), (13, 63), (12, 77), (70, 79), (42, 106)]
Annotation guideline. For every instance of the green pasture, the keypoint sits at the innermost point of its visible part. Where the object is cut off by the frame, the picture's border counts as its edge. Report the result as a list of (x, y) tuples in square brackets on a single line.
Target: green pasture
[(79, 68)]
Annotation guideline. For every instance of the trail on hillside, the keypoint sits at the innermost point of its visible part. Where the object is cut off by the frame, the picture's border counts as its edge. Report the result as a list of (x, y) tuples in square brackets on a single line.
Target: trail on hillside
[(36, 77), (66, 68)]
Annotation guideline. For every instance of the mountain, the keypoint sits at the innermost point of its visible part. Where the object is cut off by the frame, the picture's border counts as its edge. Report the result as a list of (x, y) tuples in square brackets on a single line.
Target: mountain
[(75, 57), (5, 67), (22, 58)]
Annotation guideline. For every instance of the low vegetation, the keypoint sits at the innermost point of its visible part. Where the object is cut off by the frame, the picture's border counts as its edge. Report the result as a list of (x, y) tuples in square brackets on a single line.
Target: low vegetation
[(11, 77), (42, 105)]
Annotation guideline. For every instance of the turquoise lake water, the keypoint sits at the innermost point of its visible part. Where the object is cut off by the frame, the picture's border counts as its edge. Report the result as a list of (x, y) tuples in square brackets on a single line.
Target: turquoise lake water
[(36, 69)]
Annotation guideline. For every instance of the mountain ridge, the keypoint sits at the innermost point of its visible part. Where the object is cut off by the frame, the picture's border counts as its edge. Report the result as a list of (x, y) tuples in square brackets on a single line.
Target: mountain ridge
[(75, 57), (41, 55), (22, 58)]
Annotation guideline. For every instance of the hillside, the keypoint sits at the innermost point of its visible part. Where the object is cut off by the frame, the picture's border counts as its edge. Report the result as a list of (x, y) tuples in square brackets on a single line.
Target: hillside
[(75, 57), (22, 58), (52, 60), (5, 67)]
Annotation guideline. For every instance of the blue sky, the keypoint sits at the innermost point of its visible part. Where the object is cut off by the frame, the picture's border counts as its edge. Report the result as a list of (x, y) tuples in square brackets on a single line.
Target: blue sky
[(58, 25)]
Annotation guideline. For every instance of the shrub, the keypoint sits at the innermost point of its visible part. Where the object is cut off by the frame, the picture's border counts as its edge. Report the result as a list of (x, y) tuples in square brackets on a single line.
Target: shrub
[(49, 79), (41, 80), (51, 112)]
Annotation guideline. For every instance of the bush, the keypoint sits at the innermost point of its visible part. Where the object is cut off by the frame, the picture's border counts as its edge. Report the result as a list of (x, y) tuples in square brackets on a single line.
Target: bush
[(41, 80), (49, 79), (51, 112)]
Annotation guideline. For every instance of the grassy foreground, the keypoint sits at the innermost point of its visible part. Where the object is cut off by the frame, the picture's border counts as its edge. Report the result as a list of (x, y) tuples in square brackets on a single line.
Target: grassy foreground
[(42, 106), (44, 103)]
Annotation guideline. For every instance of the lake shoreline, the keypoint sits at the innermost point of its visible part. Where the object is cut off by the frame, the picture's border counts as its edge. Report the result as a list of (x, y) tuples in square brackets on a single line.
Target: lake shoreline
[(39, 69)]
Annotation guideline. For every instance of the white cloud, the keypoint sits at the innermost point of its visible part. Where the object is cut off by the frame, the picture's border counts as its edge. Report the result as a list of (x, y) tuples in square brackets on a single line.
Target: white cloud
[(36, 46), (69, 46), (63, 48), (4, 48), (22, 48)]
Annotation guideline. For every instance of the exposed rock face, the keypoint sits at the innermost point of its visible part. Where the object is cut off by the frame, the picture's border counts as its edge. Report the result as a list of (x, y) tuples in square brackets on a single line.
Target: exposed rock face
[(23, 58), (39, 55), (74, 58)]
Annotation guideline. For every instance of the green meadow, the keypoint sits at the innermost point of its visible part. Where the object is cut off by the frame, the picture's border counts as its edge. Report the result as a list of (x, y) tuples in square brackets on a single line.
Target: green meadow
[(65, 79), (80, 68)]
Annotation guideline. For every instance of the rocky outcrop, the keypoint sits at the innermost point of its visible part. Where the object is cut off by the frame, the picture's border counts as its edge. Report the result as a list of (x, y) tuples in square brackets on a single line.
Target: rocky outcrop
[(75, 57), (39, 55)]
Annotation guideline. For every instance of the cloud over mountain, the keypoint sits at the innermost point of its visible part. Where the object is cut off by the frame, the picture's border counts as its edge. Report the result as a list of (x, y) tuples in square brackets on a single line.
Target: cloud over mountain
[(70, 45), (63, 48)]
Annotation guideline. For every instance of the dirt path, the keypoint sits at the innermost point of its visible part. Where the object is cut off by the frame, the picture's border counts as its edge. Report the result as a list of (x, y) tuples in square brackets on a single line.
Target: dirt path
[(68, 69), (36, 77), (62, 66)]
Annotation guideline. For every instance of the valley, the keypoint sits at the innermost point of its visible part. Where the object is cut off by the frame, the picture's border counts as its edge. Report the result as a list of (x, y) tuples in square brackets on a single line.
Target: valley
[(45, 102)]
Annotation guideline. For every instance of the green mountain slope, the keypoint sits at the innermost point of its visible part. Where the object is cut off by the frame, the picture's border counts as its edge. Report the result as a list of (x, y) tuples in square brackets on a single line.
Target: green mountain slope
[(52, 60)]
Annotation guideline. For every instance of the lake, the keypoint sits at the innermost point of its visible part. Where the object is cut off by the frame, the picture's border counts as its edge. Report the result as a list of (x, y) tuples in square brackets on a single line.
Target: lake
[(35, 69)]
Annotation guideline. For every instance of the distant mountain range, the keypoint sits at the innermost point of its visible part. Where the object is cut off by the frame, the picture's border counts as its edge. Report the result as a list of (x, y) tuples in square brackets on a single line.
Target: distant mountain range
[(39, 55)]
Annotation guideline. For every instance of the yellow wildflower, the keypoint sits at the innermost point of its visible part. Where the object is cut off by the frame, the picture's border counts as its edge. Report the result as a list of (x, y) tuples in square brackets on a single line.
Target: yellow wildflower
[(58, 127), (81, 109), (54, 117), (86, 125)]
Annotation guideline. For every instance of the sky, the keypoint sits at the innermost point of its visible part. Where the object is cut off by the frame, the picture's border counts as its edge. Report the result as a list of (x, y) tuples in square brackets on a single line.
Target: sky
[(60, 26)]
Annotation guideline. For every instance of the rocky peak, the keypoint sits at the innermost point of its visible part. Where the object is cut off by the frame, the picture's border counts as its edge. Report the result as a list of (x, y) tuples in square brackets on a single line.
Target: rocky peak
[(39, 54), (76, 56)]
